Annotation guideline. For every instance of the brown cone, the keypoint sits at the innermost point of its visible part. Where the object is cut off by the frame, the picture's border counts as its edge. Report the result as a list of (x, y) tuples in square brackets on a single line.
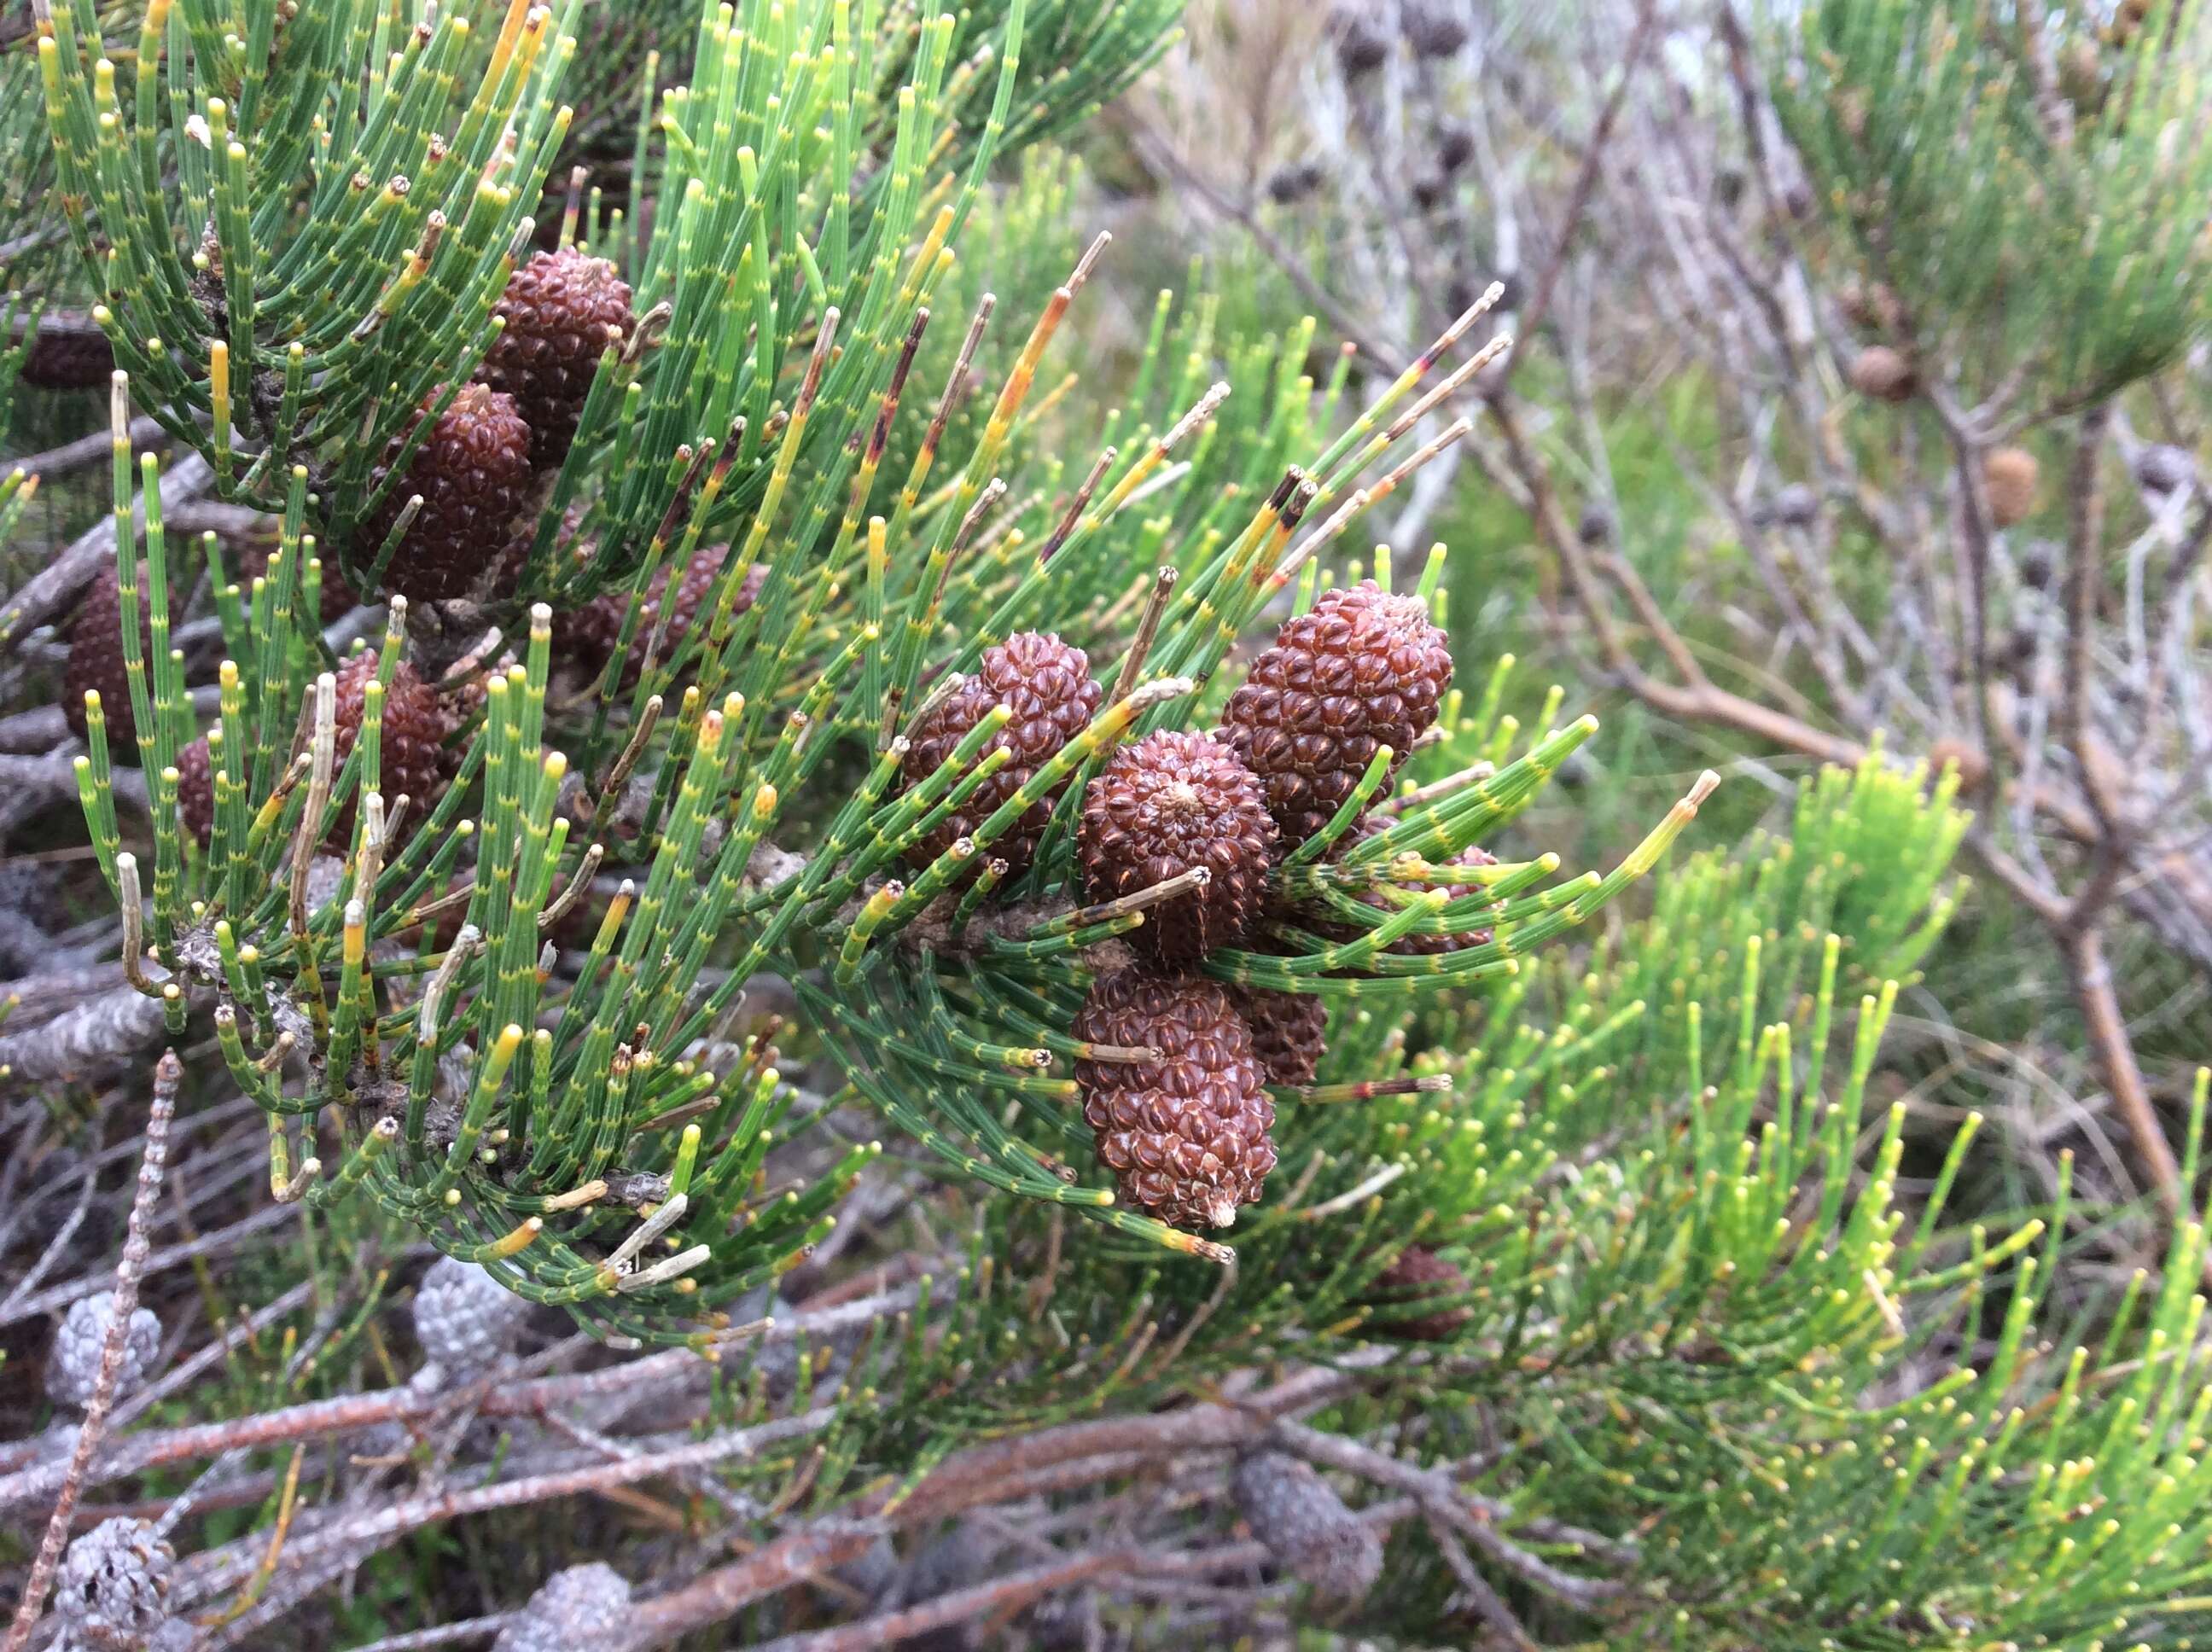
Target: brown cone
[(1185, 1136), (1289, 1032), (473, 473), (1431, 946), (1414, 1273), (1363, 669), (1167, 804), (561, 310), (250, 561), (587, 635), (1046, 683), (412, 760), (1884, 374), (196, 789), (2011, 479), (95, 662), (69, 353)]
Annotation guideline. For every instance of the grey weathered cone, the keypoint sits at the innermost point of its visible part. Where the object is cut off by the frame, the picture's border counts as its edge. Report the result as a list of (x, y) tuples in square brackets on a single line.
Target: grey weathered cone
[(1361, 48), (1171, 804), (112, 1591), (1434, 28), (2161, 468), (1046, 685), (1185, 1135), (1305, 1525), (464, 1319), (1363, 669), (1796, 506), (579, 1609), (1884, 374), (73, 1365)]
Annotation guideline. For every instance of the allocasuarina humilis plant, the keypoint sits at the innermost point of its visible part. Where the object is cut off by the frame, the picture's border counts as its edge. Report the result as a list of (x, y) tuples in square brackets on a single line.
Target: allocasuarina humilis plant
[(1139, 884)]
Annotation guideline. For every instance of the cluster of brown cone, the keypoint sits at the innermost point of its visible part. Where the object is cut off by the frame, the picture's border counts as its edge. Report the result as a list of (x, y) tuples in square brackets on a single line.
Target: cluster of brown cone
[(479, 467), (1176, 1087)]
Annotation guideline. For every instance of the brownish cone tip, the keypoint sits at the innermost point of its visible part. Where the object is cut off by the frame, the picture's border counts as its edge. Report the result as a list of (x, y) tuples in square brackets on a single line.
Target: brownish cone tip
[(562, 311)]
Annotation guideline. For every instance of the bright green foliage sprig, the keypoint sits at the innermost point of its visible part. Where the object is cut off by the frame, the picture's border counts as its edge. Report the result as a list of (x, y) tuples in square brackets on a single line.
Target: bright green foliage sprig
[(1692, 1303), (2031, 185), (319, 205), (315, 276), (512, 1122), (383, 967)]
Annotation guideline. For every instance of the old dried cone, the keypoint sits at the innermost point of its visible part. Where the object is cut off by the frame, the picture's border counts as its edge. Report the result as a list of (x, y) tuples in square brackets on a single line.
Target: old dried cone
[(1365, 668), (1186, 1133), (1046, 685), (1169, 804)]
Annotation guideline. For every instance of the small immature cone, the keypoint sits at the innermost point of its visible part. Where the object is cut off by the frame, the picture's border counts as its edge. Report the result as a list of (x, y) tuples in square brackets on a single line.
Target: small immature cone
[(1046, 683), (1306, 1526), (579, 1608), (1186, 1135), (1397, 1293), (2010, 480), (1171, 804), (1363, 669), (1884, 374)]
